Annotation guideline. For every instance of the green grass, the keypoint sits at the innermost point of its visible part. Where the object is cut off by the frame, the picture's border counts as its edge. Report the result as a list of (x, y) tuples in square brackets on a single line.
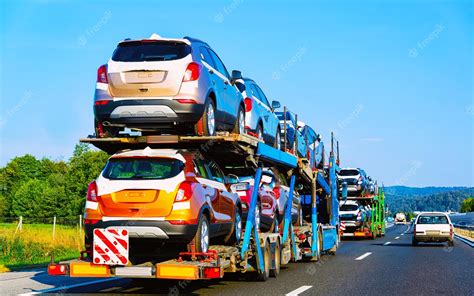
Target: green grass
[(34, 245)]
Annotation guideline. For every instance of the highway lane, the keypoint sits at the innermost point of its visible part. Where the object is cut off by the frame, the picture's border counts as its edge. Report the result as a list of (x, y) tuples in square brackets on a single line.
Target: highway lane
[(389, 266)]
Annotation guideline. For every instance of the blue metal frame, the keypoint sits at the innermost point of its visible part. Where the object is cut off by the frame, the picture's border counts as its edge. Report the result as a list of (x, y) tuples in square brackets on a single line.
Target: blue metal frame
[(276, 156), (287, 220)]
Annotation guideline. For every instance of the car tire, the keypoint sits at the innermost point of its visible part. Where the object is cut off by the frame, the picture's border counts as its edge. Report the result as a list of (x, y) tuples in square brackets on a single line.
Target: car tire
[(206, 126), (277, 144), (414, 242), (276, 258), (237, 231), (202, 237), (450, 243), (259, 132), (263, 275), (239, 127)]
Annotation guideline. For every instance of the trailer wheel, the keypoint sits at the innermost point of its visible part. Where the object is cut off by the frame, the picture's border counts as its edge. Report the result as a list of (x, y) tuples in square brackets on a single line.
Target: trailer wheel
[(276, 260), (263, 275)]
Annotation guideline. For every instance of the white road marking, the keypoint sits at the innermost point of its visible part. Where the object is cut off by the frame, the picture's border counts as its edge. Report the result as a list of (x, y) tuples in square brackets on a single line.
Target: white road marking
[(403, 234), (111, 289), (70, 286), (299, 290), (387, 243), (397, 237), (363, 256), (132, 289)]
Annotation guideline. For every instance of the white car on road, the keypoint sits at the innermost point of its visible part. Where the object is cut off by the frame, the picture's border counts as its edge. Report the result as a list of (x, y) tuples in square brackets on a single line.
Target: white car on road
[(433, 227)]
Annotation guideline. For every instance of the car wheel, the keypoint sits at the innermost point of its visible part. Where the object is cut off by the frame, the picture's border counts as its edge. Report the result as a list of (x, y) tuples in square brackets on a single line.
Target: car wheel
[(263, 275), (239, 127), (414, 242), (236, 235), (277, 143), (276, 260), (260, 132), (257, 216), (207, 125), (451, 243), (201, 239)]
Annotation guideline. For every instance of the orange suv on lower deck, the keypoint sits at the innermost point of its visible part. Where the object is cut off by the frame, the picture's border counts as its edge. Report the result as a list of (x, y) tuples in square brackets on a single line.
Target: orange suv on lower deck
[(163, 197)]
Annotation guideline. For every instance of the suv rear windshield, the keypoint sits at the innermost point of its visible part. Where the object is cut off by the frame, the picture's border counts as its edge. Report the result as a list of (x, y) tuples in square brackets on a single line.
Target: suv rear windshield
[(142, 168), (347, 208), (347, 173), (139, 51), (433, 220)]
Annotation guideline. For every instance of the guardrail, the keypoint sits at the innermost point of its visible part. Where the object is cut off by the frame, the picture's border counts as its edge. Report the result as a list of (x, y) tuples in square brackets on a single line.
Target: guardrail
[(464, 231)]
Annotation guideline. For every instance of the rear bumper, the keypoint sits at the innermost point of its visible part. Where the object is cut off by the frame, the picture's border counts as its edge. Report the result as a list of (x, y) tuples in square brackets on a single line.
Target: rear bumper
[(432, 238), (148, 113), (158, 231)]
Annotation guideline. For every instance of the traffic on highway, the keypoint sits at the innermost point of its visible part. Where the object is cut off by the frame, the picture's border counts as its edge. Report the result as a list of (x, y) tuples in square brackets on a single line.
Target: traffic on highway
[(194, 179)]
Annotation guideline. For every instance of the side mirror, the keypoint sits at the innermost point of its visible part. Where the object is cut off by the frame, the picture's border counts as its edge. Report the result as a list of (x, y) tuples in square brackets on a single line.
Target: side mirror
[(236, 74), (275, 105), (344, 191), (231, 179)]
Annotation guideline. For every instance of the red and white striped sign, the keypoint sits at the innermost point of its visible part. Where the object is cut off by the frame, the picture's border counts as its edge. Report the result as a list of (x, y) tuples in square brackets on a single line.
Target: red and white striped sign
[(110, 246), (342, 226)]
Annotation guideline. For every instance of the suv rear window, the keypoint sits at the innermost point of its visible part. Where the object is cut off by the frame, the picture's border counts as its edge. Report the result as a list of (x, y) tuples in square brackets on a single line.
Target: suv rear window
[(139, 51), (346, 173), (441, 219), (347, 208), (142, 168)]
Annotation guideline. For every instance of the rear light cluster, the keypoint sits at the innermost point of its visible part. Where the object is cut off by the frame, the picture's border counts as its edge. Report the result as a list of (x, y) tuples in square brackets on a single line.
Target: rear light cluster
[(57, 269), (248, 104), (451, 230), (276, 190), (185, 192), (102, 74), (92, 191), (192, 72)]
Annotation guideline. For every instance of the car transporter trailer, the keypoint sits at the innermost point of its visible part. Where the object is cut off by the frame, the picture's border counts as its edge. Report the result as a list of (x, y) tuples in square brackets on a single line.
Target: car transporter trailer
[(257, 251)]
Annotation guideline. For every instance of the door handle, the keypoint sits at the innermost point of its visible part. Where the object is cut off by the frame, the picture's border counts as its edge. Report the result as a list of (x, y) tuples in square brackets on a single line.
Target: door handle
[(211, 71)]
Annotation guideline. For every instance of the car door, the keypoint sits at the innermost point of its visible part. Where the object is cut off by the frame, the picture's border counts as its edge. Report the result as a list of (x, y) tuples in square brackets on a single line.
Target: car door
[(269, 124), (231, 93), (226, 198), (210, 190), (216, 81)]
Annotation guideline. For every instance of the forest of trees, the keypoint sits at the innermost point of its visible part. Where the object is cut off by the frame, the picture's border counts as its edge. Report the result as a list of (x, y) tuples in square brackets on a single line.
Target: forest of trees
[(44, 188), (410, 199)]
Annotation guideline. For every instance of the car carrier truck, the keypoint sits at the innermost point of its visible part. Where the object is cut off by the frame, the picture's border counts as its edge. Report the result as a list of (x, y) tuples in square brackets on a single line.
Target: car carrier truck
[(260, 252)]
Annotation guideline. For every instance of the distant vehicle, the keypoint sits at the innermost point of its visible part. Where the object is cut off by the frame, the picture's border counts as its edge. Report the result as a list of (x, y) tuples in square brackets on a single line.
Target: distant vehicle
[(356, 180), (400, 218), (260, 117), (162, 85), (172, 196), (353, 215), (273, 196), (433, 227), (295, 140)]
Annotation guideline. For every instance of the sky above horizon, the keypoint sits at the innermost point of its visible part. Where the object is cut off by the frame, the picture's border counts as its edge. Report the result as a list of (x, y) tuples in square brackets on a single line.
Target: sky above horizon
[(392, 79)]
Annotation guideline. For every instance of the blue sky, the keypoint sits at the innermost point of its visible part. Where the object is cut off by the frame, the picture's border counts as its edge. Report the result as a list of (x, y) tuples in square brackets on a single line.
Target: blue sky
[(392, 79)]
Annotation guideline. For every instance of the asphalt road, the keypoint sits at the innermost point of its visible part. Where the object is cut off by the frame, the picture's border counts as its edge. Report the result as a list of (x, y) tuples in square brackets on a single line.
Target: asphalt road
[(389, 266)]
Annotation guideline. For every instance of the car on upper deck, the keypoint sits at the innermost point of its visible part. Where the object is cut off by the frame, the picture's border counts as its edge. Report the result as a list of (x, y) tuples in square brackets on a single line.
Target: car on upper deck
[(164, 85)]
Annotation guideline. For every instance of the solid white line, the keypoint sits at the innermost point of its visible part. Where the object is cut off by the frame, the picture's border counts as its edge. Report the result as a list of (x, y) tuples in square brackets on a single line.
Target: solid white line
[(70, 287), (397, 237), (387, 243), (363, 256), (299, 290), (466, 241)]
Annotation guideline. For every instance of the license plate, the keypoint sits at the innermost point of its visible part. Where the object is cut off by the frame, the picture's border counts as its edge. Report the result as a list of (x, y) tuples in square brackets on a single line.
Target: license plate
[(110, 246)]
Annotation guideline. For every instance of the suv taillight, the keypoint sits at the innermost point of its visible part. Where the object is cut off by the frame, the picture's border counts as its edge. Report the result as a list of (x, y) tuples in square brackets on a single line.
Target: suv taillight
[(192, 72), (102, 74), (92, 191), (185, 192), (248, 104), (276, 190)]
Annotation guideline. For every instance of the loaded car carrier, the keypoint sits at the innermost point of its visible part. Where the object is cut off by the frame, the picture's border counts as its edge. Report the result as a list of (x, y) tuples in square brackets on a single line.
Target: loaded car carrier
[(257, 251), (373, 226)]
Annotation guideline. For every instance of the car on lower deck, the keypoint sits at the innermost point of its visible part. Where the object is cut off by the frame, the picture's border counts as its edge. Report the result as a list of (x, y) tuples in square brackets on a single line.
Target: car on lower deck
[(163, 85), (273, 195), (352, 214), (260, 117), (433, 227), (165, 198)]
